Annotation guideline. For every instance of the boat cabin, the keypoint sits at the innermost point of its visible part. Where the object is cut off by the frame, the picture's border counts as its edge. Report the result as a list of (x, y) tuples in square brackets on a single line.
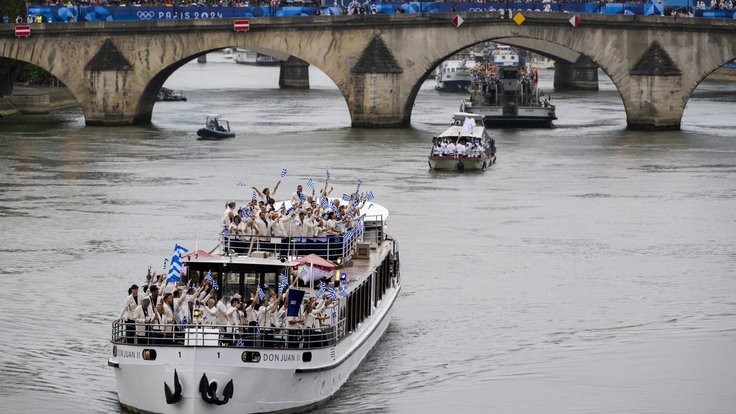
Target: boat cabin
[(215, 123)]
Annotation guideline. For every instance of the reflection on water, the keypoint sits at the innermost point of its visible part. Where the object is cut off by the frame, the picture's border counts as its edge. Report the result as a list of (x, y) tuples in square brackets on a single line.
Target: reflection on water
[(590, 270)]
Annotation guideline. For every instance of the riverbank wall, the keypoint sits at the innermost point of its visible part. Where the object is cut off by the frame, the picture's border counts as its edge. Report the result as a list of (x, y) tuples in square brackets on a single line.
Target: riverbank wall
[(35, 100)]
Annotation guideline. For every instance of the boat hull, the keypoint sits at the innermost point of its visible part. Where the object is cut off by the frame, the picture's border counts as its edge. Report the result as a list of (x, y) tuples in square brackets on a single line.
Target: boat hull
[(461, 163), (453, 86), (281, 382), (206, 133), (495, 116)]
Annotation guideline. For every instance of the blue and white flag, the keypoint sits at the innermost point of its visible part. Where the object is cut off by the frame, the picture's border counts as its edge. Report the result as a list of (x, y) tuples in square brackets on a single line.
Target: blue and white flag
[(327, 175), (180, 250), (208, 276), (346, 197), (303, 273), (283, 283), (358, 183), (321, 290), (369, 195), (325, 203), (215, 285), (343, 290), (166, 262), (261, 293), (310, 183), (242, 184), (175, 269), (331, 293), (254, 197), (283, 172), (240, 344), (302, 197)]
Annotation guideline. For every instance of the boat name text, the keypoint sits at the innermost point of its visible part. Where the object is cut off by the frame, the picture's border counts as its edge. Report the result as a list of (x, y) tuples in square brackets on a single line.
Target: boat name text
[(280, 357)]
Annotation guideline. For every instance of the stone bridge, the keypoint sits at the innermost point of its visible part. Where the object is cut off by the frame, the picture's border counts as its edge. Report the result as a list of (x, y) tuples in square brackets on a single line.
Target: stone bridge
[(115, 69)]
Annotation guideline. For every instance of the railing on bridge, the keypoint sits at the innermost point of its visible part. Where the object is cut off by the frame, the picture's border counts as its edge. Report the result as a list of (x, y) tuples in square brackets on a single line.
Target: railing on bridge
[(79, 13)]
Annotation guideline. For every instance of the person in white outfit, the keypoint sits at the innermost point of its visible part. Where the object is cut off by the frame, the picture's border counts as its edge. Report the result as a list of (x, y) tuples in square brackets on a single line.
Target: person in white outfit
[(127, 314), (143, 316)]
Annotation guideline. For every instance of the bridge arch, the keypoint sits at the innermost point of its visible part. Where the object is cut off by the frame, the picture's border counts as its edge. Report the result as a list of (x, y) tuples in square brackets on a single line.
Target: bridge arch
[(654, 62)]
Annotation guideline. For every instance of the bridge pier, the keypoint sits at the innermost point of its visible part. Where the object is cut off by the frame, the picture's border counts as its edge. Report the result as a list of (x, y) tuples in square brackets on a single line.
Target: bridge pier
[(654, 102), (294, 74), (579, 76)]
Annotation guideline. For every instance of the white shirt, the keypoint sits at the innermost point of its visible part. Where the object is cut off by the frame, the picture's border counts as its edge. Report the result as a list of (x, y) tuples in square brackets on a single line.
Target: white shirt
[(128, 311)]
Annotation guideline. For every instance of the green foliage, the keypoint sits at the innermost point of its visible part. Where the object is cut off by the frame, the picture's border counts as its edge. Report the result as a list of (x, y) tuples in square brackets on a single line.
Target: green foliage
[(34, 75), (12, 9)]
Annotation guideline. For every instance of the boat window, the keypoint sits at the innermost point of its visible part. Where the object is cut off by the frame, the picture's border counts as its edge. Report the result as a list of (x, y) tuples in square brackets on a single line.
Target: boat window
[(230, 283)]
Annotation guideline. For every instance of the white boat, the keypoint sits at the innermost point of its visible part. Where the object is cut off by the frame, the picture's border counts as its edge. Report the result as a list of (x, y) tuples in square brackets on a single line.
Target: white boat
[(466, 145), (453, 75), (506, 56), (228, 53), (202, 369), (249, 57)]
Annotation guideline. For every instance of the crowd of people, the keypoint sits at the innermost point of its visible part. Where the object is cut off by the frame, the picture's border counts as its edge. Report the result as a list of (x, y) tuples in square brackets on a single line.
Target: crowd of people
[(462, 147), (159, 314), (306, 215)]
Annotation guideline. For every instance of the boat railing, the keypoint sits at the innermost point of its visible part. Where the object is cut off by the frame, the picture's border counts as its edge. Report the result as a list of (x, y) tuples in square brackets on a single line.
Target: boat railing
[(333, 247), (205, 335)]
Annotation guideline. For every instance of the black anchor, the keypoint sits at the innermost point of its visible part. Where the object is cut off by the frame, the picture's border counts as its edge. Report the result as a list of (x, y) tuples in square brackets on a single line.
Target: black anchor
[(209, 391), (172, 398)]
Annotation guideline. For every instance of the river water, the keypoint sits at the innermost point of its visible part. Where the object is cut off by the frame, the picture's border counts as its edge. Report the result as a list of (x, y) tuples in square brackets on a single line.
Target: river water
[(591, 270)]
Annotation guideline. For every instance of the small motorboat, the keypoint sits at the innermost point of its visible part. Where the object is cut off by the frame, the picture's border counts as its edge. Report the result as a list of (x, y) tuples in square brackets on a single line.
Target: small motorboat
[(215, 128)]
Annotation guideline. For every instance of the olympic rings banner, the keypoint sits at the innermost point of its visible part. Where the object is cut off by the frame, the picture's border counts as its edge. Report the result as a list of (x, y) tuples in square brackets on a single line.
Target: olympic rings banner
[(122, 13)]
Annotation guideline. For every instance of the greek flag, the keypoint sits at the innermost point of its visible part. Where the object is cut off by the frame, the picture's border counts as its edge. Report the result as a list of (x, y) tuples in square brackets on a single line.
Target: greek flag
[(180, 250), (325, 203), (331, 293), (343, 290), (208, 276), (327, 175), (215, 285), (254, 197), (175, 269), (240, 344), (346, 197), (242, 184), (321, 290), (283, 283), (261, 293), (303, 273), (310, 183), (369, 195), (358, 183), (166, 262), (302, 197), (283, 172)]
